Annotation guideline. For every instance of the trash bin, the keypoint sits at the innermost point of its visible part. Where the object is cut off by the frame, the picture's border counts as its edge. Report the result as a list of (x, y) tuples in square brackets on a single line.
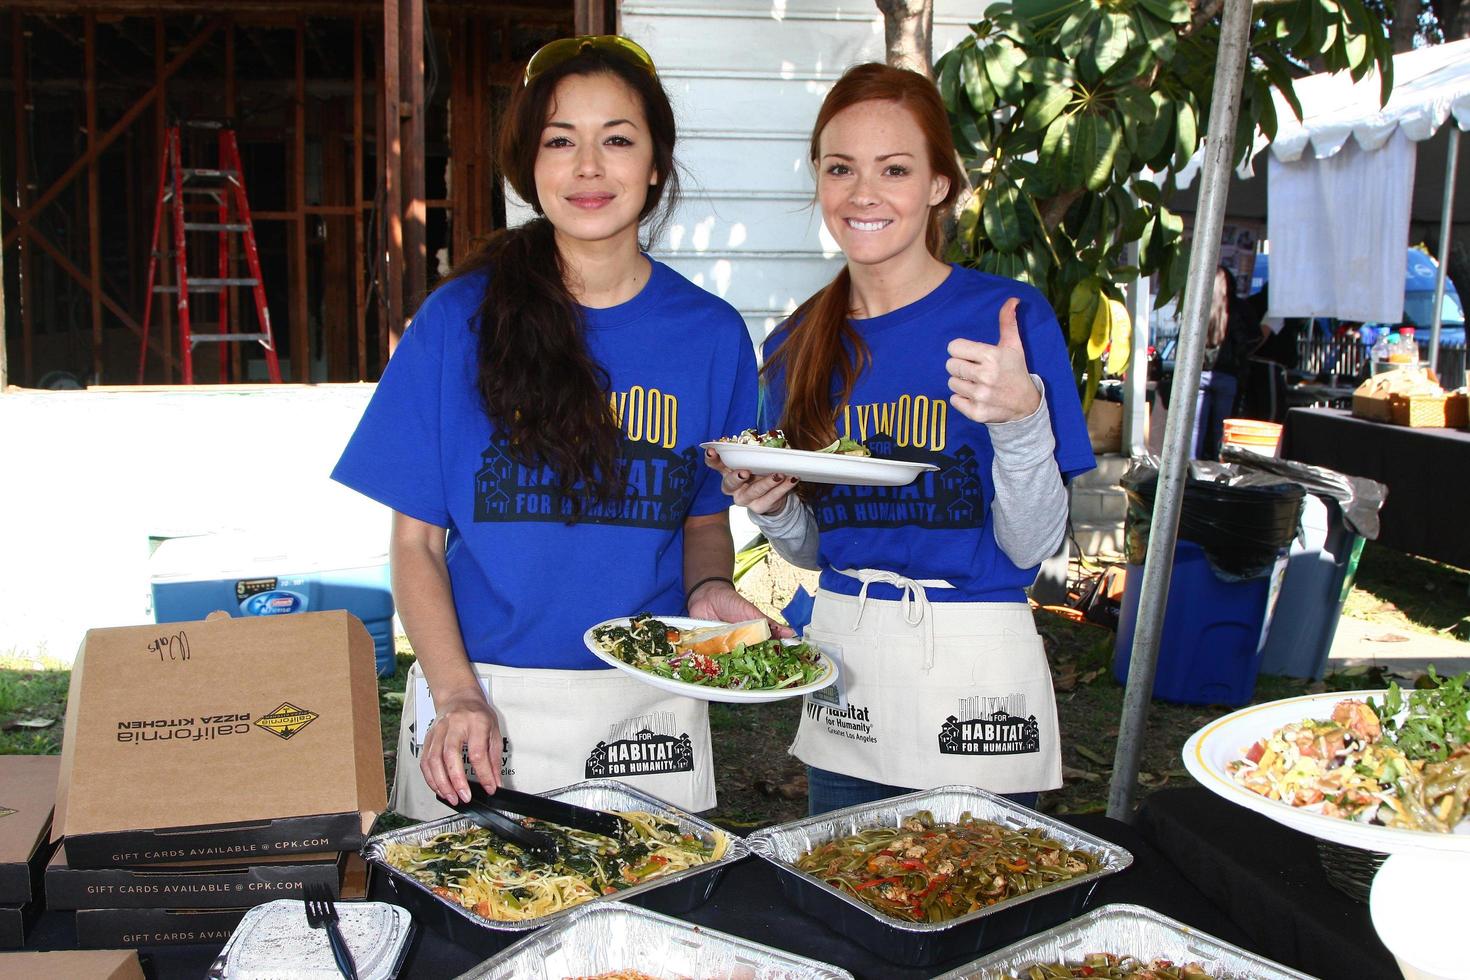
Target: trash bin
[(1339, 513), (251, 574), (1234, 528)]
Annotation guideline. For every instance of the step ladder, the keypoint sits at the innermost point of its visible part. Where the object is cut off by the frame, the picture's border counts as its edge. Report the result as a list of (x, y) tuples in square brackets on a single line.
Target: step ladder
[(224, 185)]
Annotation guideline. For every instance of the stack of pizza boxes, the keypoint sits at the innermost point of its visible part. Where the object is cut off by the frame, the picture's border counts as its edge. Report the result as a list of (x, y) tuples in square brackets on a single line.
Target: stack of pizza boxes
[(209, 767), (27, 792)]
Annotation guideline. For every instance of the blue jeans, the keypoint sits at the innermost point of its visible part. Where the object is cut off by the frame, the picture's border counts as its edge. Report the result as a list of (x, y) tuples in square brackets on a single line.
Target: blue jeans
[(833, 791), (1216, 403)]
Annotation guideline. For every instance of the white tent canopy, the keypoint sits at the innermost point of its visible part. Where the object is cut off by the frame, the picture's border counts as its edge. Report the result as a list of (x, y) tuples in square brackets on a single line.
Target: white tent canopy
[(1430, 85), (1339, 211)]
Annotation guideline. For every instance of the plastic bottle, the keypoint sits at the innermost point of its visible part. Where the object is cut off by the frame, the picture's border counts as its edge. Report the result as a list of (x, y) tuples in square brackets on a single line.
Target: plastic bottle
[(1398, 351), (1408, 347), (1379, 353)]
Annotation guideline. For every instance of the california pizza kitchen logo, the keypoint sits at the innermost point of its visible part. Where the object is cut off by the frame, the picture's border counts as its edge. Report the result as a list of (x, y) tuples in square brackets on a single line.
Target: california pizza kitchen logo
[(990, 726), (286, 720), (640, 747)]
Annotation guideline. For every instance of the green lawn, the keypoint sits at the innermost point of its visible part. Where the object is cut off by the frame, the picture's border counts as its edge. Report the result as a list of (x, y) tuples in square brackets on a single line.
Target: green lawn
[(760, 784)]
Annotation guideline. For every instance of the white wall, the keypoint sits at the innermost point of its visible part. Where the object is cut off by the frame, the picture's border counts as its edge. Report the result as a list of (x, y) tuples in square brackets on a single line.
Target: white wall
[(87, 477), (747, 79)]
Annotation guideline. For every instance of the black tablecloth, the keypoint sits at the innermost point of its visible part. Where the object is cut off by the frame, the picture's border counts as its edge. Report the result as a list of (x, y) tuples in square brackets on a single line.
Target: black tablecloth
[(1424, 470), (748, 902), (1269, 881)]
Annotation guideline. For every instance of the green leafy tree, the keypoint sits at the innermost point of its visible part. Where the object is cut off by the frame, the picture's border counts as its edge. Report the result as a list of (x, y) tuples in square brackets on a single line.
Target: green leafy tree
[(1074, 116)]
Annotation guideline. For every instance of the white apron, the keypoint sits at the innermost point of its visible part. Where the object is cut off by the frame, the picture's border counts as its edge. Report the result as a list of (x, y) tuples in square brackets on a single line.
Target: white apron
[(931, 693), (562, 726)]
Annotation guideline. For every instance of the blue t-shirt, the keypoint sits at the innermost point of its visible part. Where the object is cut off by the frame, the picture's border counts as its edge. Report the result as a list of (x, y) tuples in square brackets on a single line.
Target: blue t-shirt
[(526, 584), (937, 527)]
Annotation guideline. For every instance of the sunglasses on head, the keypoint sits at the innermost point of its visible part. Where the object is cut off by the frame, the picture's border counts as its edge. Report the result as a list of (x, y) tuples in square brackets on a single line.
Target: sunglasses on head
[(565, 49)]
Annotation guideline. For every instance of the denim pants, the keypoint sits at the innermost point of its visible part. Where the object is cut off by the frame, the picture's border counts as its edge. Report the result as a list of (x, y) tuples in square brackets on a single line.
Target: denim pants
[(1215, 404), (834, 791)]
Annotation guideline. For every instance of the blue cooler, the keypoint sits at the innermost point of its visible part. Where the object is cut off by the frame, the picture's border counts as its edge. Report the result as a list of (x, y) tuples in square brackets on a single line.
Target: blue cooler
[(252, 575), (1210, 650), (1319, 575)]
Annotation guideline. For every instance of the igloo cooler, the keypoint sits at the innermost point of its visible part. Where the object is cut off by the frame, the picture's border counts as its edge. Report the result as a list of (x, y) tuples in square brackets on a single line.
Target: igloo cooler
[(249, 574)]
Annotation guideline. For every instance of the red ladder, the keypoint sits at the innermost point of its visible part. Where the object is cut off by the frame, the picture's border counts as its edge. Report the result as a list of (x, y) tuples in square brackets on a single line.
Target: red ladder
[(225, 185)]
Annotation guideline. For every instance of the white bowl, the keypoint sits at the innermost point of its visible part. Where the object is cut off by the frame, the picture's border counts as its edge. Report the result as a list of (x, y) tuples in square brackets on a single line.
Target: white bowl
[(1418, 908)]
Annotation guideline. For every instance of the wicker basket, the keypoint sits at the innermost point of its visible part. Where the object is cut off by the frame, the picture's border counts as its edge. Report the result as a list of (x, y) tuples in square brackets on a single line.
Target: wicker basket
[(1457, 410), (1418, 411), (1349, 869)]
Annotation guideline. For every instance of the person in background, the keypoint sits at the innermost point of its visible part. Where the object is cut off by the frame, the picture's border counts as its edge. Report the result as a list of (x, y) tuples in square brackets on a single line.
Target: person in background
[(537, 436), (943, 678), (1230, 337)]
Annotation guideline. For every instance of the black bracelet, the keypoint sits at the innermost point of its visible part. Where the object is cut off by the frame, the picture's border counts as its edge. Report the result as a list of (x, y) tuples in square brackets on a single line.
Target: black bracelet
[(704, 581)]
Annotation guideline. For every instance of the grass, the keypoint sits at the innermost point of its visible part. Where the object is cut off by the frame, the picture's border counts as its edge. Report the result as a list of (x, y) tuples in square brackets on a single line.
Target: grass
[(1411, 593), (760, 784), (32, 705)]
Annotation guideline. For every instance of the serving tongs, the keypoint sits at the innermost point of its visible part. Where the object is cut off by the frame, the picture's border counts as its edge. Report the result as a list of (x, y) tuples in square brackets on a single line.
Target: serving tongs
[(554, 811), (482, 814)]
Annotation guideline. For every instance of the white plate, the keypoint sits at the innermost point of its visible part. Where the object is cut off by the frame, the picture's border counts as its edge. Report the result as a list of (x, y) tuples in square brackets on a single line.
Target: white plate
[(857, 471), (699, 691), (1213, 747)]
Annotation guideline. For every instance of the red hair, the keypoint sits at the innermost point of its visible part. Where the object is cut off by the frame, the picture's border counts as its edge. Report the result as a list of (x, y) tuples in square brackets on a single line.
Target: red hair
[(821, 342)]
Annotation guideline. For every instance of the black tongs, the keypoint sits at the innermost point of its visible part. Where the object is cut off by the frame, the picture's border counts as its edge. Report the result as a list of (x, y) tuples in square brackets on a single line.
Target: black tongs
[(482, 814), (555, 811)]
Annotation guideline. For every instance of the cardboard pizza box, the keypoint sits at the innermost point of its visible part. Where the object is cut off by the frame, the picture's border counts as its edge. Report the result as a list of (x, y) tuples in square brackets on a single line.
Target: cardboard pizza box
[(220, 740), (72, 964), (27, 792), (191, 884)]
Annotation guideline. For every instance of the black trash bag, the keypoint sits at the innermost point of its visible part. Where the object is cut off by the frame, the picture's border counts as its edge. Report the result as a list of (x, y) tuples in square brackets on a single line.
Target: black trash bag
[(1242, 518), (1359, 497)]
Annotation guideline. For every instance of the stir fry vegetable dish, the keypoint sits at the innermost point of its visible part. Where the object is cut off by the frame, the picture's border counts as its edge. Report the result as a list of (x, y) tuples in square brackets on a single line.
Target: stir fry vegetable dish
[(652, 645), (926, 871), (1108, 966), (1370, 765), (497, 880)]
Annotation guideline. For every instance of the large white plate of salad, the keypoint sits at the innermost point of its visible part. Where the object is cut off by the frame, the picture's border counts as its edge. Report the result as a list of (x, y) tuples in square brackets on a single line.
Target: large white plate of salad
[(846, 461), (1385, 770), (712, 661)]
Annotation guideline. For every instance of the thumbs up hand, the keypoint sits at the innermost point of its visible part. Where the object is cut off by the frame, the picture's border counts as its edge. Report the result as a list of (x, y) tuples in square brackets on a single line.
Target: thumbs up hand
[(990, 381)]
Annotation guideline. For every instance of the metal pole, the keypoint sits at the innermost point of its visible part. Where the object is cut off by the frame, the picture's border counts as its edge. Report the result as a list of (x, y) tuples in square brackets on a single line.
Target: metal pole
[(1135, 386), (1204, 256), (1451, 165)]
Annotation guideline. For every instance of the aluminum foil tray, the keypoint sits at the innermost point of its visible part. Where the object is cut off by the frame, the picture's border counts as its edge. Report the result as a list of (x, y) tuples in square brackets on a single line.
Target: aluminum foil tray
[(601, 938), (275, 942), (674, 894), (1125, 930), (925, 943)]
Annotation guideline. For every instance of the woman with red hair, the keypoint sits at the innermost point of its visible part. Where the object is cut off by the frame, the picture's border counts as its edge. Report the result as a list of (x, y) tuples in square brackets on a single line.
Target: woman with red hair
[(921, 599)]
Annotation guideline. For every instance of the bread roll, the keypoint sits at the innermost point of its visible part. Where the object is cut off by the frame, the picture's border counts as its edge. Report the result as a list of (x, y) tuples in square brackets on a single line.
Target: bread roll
[(724, 638)]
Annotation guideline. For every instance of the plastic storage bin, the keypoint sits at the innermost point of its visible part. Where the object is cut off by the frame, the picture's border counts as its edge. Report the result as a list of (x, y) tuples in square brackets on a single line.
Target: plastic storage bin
[(256, 575), (1210, 649), (1319, 574)]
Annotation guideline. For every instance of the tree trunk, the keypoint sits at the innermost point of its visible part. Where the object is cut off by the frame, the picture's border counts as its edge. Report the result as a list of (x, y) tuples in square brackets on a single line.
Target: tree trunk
[(908, 27), (1405, 24), (1454, 18)]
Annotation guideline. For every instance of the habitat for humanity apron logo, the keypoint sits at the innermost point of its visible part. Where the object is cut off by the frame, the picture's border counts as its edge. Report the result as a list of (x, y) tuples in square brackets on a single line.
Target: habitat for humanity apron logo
[(287, 720), (640, 747), (990, 726), (951, 497), (659, 480), (852, 722)]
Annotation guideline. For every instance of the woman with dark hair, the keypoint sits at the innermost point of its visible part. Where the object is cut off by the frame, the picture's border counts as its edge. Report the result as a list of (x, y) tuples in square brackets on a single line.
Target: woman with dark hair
[(536, 435), (1230, 337), (943, 679)]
